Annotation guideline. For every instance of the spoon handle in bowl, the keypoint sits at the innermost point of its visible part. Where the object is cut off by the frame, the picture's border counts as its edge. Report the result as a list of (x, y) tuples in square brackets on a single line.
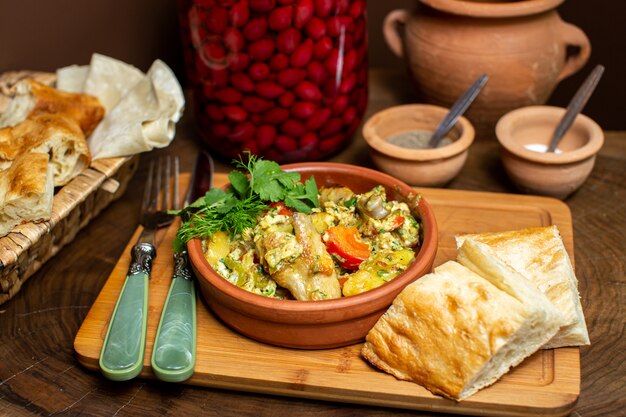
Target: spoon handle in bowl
[(457, 110), (576, 105)]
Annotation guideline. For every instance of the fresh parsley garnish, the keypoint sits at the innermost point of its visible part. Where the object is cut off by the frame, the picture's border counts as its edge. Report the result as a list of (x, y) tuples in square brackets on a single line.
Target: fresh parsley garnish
[(257, 182)]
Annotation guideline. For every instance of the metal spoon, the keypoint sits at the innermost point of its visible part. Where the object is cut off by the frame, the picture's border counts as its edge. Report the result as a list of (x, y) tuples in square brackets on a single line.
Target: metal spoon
[(457, 110), (575, 106)]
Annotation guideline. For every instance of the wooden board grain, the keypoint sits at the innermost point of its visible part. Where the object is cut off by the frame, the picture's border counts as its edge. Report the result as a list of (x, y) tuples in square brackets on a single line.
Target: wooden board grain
[(546, 384)]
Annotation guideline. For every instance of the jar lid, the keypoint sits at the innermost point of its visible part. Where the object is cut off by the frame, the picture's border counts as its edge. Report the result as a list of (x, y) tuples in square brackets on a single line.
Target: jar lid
[(493, 8)]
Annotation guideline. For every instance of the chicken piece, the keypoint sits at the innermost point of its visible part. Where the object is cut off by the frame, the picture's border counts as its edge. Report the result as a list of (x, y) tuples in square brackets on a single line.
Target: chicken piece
[(312, 275), (335, 193)]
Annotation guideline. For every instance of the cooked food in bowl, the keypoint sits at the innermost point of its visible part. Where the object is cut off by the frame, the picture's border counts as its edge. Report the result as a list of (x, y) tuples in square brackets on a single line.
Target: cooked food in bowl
[(319, 324), (330, 243), (350, 244)]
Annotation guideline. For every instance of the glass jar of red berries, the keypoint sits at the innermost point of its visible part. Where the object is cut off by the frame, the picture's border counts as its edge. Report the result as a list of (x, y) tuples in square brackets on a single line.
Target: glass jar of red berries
[(284, 79)]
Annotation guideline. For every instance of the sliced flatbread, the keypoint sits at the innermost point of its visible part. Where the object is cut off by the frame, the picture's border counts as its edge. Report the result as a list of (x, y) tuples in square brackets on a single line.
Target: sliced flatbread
[(539, 255), (455, 332), (33, 98), (26, 191), (55, 134)]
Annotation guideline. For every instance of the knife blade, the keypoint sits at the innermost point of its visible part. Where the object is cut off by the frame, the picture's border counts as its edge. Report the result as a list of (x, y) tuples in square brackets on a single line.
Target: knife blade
[(174, 350)]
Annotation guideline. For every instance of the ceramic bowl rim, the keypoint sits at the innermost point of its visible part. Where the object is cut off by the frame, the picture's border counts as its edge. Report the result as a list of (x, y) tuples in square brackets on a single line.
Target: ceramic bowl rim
[(493, 9), (425, 256), (504, 126), (375, 141)]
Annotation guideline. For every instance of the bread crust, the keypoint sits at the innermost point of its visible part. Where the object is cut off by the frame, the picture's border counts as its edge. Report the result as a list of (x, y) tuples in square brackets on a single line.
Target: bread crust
[(539, 255), (55, 134)]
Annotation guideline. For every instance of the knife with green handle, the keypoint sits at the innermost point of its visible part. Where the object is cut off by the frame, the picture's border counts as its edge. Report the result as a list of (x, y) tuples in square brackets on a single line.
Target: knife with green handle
[(122, 352), (174, 350)]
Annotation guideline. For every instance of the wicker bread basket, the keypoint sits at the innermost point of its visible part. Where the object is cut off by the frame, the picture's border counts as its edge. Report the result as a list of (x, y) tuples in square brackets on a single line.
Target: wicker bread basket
[(28, 246)]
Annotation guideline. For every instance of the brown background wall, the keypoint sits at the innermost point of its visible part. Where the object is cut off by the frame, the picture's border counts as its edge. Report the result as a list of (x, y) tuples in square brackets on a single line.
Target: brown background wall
[(47, 34)]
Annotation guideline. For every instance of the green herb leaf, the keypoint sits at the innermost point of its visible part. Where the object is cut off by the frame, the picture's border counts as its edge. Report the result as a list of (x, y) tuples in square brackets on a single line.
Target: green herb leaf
[(239, 182)]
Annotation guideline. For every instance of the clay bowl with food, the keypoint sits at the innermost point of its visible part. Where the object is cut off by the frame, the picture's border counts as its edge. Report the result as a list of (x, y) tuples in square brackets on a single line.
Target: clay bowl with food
[(393, 136), (525, 134), (325, 323)]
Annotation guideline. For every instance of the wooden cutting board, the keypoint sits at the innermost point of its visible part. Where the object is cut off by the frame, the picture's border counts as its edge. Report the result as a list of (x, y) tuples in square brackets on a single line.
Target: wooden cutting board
[(547, 383)]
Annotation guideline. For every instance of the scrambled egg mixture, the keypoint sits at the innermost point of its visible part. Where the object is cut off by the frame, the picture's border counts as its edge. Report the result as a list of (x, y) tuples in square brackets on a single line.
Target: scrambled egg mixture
[(351, 244)]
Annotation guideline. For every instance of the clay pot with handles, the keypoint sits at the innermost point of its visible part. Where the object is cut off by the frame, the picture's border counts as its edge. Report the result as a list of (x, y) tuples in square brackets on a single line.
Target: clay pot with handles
[(521, 45)]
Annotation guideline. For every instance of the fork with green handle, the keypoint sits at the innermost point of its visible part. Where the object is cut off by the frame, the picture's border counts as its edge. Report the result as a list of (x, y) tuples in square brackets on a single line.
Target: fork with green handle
[(174, 350), (122, 353)]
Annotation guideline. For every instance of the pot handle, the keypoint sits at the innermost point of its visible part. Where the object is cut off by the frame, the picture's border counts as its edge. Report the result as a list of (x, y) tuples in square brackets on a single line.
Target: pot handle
[(390, 30), (572, 35)]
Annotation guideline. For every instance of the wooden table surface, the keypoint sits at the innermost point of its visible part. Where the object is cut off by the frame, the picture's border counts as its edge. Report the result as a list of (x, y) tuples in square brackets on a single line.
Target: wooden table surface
[(40, 376)]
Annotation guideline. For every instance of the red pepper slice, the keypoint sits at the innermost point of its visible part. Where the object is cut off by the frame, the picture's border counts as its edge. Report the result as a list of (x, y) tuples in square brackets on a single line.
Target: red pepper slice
[(282, 208), (346, 245), (397, 222)]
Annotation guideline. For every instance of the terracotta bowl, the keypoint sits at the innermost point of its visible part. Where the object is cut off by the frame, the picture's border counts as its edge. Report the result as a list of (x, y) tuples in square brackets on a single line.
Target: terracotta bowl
[(551, 174), (316, 324), (422, 167)]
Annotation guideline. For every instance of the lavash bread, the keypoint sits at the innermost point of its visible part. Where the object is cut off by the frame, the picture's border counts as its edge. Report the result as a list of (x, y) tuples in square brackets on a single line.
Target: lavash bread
[(539, 255), (55, 134), (33, 98), (26, 191), (454, 331)]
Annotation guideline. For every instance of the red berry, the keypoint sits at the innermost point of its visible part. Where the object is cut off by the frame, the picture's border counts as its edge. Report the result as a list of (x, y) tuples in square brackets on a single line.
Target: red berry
[(303, 13), (239, 61), (303, 109), (239, 14), (242, 82), (242, 132), (319, 118), (261, 50), (322, 48), (235, 113), (340, 105), (308, 91), (331, 143), (255, 29), (279, 62), (265, 135), (262, 5), (216, 20), (316, 28), (276, 116), (323, 7), (331, 127), (286, 143), (220, 129), (349, 116), (256, 104), (293, 128), (233, 39), (280, 18), (214, 112), (287, 99), (288, 40), (337, 24), (308, 141), (269, 90), (259, 71), (290, 77), (228, 95), (316, 73), (302, 55)]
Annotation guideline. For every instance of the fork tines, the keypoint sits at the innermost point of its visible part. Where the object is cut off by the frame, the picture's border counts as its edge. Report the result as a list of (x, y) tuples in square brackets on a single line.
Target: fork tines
[(161, 192)]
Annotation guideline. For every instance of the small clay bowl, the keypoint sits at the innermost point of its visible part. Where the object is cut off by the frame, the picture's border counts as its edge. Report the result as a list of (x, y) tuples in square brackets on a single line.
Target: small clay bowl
[(317, 324), (547, 173), (422, 167)]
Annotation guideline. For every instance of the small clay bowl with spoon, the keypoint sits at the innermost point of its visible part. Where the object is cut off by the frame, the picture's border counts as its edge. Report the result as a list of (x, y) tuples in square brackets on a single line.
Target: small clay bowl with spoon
[(524, 135), (549, 150), (430, 167)]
